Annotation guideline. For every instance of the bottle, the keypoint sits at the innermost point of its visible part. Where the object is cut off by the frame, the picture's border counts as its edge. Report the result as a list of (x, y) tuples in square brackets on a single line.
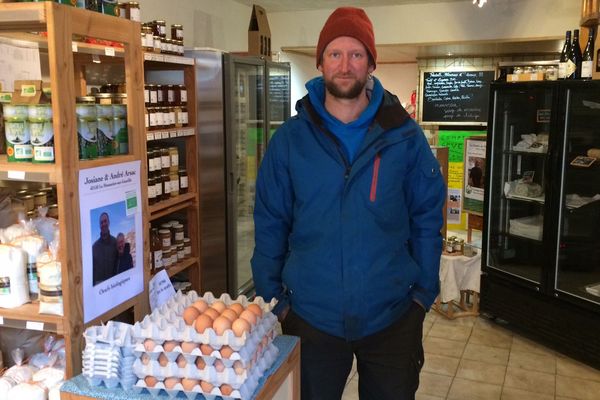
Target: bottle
[(575, 59), (588, 57), (156, 249), (564, 57)]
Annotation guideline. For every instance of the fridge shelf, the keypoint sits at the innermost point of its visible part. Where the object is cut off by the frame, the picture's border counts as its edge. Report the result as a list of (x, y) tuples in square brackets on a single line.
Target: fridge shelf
[(525, 153), (537, 200)]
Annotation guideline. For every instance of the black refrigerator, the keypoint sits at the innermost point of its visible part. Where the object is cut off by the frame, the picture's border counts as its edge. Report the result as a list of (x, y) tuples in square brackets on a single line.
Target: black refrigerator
[(241, 100), (541, 238)]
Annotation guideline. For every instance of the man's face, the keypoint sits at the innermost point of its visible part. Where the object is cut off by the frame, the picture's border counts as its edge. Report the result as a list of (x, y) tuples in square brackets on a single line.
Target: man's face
[(345, 67), (120, 243), (104, 225)]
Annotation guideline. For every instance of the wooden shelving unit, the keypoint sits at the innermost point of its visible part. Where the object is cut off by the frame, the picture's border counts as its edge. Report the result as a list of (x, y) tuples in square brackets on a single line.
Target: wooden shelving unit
[(184, 204), (61, 23)]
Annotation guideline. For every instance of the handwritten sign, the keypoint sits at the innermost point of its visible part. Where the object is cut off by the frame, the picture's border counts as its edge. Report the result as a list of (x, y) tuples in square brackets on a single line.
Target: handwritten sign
[(455, 97), (160, 289)]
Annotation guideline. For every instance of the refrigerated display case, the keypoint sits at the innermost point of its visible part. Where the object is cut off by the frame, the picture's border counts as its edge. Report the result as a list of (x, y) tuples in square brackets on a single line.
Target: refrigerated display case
[(541, 241), (241, 101)]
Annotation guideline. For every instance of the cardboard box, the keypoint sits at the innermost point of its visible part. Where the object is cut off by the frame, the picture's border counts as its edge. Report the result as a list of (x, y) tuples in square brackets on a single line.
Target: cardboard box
[(259, 34), (535, 76), (29, 92)]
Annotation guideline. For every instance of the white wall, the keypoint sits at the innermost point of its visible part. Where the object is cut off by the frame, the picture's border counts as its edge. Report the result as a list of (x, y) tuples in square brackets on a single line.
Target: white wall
[(220, 24), (400, 79)]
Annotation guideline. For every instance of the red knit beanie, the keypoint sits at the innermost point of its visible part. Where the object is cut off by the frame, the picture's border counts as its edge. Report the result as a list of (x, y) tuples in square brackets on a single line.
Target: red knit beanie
[(347, 21)]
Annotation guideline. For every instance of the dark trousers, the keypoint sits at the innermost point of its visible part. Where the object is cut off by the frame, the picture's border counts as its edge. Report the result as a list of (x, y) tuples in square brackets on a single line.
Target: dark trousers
[(388, 362)]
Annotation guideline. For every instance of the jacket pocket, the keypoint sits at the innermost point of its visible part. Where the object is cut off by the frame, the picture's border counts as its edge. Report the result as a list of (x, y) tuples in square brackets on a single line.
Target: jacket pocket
[(375, 178)]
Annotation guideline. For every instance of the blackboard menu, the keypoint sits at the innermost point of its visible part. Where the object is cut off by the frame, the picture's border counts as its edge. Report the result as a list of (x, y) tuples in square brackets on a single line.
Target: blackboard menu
[(455, 97)]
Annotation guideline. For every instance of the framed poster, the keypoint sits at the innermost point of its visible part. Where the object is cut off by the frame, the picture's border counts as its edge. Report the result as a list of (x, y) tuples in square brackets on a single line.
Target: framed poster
[(474, 174), (112, 242)]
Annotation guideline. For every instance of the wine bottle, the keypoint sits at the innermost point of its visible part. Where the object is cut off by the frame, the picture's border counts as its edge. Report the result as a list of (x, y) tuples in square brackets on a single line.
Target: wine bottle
[(574, 64), (588, 57), (564, 57)]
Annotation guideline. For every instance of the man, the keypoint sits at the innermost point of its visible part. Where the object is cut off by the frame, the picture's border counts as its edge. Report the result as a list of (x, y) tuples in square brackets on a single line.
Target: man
[(348, 216), (125, 261), (104, 252), (475, 174)]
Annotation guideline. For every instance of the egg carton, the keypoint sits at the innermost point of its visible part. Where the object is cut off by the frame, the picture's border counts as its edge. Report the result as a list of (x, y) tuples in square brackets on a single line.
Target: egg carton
[(159, 328), (232, 376), (117, 334), (244, 355), (110, 383)]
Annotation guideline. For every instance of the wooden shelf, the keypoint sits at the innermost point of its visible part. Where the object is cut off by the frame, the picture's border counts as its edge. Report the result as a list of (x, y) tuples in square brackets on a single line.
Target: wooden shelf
[(104, 161), (182, 266), (167, 58), (28, 317), (170, 133), (27, 171), (167, 207)]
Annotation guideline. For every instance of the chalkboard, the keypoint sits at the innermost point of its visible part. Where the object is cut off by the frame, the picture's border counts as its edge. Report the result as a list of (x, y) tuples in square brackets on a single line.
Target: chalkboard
[(455, 97)]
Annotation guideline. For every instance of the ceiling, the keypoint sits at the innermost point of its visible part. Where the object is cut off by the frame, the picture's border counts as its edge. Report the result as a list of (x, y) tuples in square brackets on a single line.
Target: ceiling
[(409, 53), (272, 6)]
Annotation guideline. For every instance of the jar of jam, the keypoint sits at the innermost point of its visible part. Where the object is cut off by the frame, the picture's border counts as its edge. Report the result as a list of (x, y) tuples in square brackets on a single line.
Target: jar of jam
[(166, 185), (172, 122), (151, 118), (166, 260), (180, 49), (130, 10), (171, 95), (165, 160), (103, 98), (177, 31), (156, 43), (182, 95), (177, 113), (147, 38), (119, 98), (158, 186), (184, 116), (187, 247), (174, 257), (174, 183), (151, 191), (163, 45), (159, 95), (153, 95), (183, 181), (159, 28), (178, 233)]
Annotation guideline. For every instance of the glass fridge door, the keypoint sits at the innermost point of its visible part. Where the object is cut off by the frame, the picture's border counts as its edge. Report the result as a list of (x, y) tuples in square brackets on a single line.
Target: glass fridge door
[(518, 167), (278, 95), (246, 135), (578, 252)]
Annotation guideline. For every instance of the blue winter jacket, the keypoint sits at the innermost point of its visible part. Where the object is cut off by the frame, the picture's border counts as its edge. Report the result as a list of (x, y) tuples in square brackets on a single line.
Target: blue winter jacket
[(349, 246)]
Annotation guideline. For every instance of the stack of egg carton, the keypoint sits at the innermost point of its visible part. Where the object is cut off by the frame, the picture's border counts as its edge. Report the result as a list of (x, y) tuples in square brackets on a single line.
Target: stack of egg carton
[(108, 356), (173, 357)]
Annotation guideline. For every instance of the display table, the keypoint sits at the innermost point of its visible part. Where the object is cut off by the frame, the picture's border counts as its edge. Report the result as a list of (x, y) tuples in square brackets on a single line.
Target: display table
[(285, 369), (459, 286)]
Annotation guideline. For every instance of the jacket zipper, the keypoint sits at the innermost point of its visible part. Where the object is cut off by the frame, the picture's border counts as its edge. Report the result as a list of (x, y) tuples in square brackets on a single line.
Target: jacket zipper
[(373, 194)]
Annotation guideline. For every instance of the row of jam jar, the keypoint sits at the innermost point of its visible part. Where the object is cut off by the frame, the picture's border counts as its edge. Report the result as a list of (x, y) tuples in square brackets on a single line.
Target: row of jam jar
[(154, 38), (169, 245), (166, 178), (166, 117), (156, 95)]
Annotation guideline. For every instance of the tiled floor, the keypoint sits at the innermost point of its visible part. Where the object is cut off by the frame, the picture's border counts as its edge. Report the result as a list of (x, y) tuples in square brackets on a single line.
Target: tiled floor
[(472, 358)]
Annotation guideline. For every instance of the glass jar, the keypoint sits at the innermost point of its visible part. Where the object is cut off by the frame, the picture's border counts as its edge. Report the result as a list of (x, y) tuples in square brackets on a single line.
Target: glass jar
[(28, 202), (174, 183), (156, 43), (151, 191), (165, 238), (177, 31), (166, 260), (178, 233), (174, 155), (528, 70), (183, 181), (551, 73), (517, 70), (187, 247), (176, 95), (180, 252), (120, 99), (180, 47), (40, 199), (103, 98), (152, 95), (158, 186), (147, 38), (172, 122), (177, 114), (184, 116), (159, 95), (163, 45), (159, 28), (182, 95), (174, 254), (165, 160), (130, 10), (166, 185), (171, 95)]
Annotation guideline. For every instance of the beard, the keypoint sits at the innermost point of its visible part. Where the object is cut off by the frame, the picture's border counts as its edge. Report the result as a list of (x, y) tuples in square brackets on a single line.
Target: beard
[(351, 93)]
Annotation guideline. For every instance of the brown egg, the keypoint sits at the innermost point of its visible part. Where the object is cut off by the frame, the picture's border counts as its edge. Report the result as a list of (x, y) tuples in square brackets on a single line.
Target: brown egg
[(212, 313), (226, 389), (171, 382), (219, 306), (145, 359), (255, 308), (240, 326), (238, 367), (149, 344), (206, 349), (150, 381), (237, 307), (188, 384), (200, 364), (249, 316), (206, 387), (181, 361), (169, 345), (226, 351), (229, 314), (190, 314), (163, 360), (200, 305), (219, 366), (202, 323), (221, 324), (188, 347)]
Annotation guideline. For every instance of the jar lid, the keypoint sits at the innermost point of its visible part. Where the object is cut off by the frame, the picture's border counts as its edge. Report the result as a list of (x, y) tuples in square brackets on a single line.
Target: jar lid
[(164, 231), (173, 148), (186, 240), (133, 3), (103, 95), (26, 197), (40, 194), (159, 21), (182, 171), (176, 26), (119, 95), (85, 99)]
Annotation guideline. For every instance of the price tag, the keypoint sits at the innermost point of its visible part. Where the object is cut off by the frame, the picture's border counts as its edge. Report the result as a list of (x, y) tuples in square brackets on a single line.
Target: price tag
[(173, 134), (109, 51), (20, 175), (74, 47), (1, 320), (164, 135), (150, 136), (180, 132), (34, 326)]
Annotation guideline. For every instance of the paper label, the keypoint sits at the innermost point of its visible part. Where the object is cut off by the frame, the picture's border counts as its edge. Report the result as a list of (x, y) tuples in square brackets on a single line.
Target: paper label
[(586, 69), (34, 326), (109, 51), (28, 91), (160, 290)]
